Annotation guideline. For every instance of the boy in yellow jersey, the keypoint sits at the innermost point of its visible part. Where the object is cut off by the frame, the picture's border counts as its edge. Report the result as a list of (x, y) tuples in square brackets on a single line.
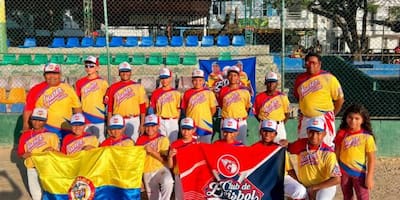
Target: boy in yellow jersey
[(200, 104), (272, 104), (318, 168), (156, 176), (188, 130), (166, 102), (91, 90), (116, 130), (230, 130), (292, 188), (78, 140), (215, 76), (35, 140)]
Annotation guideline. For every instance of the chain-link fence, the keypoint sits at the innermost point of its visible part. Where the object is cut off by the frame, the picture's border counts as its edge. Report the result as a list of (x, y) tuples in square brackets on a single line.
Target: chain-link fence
[(360, 44)]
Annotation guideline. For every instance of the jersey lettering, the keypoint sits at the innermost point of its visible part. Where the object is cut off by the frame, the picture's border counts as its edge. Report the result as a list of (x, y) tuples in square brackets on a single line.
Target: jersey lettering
[(90, 88), (197, 99), (233, 98), (75, 147), (353, 142), (35, 142), (57, 95), (315, 85), (124, 95), (271, 107)]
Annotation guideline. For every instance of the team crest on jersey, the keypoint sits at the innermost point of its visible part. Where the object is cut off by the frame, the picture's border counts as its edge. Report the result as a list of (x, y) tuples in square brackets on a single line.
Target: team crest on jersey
[(228, 165), (81, 189), (56, 95), (315, 85)]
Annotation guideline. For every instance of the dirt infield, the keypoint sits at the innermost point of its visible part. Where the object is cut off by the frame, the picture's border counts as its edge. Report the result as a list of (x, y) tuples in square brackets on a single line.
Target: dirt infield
[(13, 184)]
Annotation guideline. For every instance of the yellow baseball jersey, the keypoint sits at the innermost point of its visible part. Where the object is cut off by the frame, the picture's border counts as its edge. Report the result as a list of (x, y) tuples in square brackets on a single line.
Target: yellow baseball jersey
[(35, 142), (213, 78), (166, 103), (316, 93), (353, 149), (91, 93), (197, 105), (271, 107), (161, 144), (244, 80), (317, 166), (72, 143), (126, 98), (58, 100), (234, 102)]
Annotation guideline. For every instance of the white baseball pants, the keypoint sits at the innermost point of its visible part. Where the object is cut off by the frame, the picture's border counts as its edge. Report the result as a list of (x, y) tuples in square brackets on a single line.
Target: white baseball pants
[(293, 189), (326, 193), (159, 184), (132, 127), (169, 128), (97, 130), (34, 184), (281, 132), (178, 188)]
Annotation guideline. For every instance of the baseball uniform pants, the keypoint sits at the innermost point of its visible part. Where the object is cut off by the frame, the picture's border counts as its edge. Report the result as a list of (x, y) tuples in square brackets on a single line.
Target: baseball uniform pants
[(97, 130), (178, 188), (281, 132), (169, 128), (159, 184), (33, 183), (132, 127), (326, 193), (293, 189), (329, 119)]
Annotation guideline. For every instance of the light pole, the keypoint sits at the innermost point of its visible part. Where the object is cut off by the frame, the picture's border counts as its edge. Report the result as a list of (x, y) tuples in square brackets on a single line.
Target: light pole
[(283, 48)]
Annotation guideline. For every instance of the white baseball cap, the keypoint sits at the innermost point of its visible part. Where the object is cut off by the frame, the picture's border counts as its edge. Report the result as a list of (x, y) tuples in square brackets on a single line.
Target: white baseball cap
[(165, 73), (52, 68), (151, 120), (230, 125), (268, 125), (39, 114), (225, 70), (234, 68), (92, 59), (77, 119), (187, 123), (124, 67), (116, 122), (271, 77), (198, 73), (316, 124)]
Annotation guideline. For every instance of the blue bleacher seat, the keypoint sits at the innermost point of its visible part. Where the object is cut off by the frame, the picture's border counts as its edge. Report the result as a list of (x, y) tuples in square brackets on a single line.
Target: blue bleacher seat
[(176, 41), (207, 41), (147, 41), (87, 42), (192, 41), (116, 42), (58, 42), (100, 42), (294, 65), (223, 41), (382, 73), (72, 42), (17, 107), (161, 41), (131, 42), (238, 40), (28, 43), (3, 108)]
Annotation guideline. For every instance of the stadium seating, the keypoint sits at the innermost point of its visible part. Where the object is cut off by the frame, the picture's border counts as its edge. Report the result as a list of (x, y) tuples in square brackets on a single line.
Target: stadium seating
[(138, 59), (29, 43), (189, 58), (173, 58), (72, 42), (225, 56), (4, 83), (58, 42), (223, 41), (73, 59), (9, 59), (57, 58), (17, 107), (87, 42), (19, 82), (146, 41), (238, 40), (24, 59), (192, 41), (100, 42), (120, 57), (155, 58), (3, 107), (40, 59), (131, 42), (16, 95), (103, 59), (207, 41), (116, 42), (161, 41), (176, 41)]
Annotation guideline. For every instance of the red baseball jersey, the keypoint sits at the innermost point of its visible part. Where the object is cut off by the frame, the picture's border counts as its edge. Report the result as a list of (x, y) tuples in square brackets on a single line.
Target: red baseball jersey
[(72, 143), (124, 140)]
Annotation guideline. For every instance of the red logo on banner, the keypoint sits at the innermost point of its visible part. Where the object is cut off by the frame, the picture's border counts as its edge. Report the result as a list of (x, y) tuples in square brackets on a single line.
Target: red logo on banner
[(228, 165)]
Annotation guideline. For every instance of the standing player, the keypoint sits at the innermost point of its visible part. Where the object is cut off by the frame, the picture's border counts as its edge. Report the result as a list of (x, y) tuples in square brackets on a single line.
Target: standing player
[(230, 130), (244, 79), (116, 129), (57, 97), (91, 90), (35, 140), (235, 102), (199, 103), (319, 94), (166, 101), (128, 99), (272, 104), (214, 77), (188, 130), (156, 176), (78, 140), (318, 169)]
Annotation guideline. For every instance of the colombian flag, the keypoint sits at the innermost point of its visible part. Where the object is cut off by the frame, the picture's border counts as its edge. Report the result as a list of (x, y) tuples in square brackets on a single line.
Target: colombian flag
[(101, 173)]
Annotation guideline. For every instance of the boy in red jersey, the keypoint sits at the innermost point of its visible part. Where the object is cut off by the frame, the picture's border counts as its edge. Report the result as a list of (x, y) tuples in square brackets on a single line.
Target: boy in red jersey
[(35, 140), (78, 140), (116, 129), (230, 130)]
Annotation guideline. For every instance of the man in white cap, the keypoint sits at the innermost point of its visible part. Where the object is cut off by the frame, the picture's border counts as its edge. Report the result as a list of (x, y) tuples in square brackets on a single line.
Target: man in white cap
[(199, 103), (157, 178), (128, 99), (272, 104), (57, 97), (166, 102), (235, 102), (91, 90)]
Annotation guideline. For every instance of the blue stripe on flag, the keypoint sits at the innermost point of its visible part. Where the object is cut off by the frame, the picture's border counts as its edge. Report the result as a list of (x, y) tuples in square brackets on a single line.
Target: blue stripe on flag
[(103, 192)]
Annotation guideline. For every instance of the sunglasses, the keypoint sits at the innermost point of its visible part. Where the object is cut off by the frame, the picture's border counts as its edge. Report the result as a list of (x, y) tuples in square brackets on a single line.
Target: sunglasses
[(90, 65), (312, 63)]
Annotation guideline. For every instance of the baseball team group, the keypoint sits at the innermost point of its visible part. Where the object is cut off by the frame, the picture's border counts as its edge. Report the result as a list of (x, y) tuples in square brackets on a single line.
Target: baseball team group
[(92, 114)]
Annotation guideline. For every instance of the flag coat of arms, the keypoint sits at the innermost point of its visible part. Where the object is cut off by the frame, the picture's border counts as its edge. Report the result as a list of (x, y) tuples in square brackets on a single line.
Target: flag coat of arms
[(220, 171)]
